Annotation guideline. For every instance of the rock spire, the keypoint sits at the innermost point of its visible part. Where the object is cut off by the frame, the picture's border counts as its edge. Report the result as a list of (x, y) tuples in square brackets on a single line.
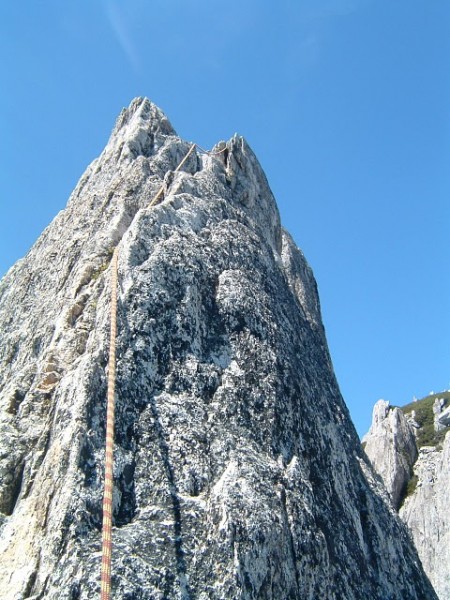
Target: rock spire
[(238, 473)]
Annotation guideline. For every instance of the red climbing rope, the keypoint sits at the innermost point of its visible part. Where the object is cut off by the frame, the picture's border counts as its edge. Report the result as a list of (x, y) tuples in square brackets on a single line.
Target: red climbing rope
[(109, 448)]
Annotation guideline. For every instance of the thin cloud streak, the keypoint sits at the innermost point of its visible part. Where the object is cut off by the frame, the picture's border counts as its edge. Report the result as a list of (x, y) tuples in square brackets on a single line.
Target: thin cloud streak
[(122, 35)]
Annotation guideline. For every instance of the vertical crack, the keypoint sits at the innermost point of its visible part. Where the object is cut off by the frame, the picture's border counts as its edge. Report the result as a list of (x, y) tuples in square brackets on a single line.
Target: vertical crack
[(176, 508)]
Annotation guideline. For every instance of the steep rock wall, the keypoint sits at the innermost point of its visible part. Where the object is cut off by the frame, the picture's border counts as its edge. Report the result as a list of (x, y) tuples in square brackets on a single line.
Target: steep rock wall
[(418, 481), (238, 472), (426, 513)]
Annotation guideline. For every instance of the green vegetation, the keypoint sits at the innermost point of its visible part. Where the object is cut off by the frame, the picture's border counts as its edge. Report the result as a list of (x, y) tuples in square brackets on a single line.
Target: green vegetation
[(409, 489), (411, 486), (97, 272), (424, 416)]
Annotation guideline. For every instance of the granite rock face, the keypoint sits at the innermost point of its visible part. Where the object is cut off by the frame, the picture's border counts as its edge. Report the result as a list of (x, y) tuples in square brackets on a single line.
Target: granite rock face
[(441, 415), (238, 473), (426, 513), (423, 476)]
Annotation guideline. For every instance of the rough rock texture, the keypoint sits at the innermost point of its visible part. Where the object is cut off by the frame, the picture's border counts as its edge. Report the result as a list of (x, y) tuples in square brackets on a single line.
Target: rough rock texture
[(238, 471), (424, 495), (426, 512), (391, 446), (441, 415)]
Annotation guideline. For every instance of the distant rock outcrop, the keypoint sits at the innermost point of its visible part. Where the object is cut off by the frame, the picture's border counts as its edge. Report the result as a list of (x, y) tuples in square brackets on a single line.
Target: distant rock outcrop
[(441, 415), (391, 447), (238, 474), (421, 473)]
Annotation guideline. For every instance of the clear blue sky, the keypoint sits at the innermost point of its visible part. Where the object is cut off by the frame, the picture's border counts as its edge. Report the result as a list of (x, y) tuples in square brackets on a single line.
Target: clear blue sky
[(345, 102)]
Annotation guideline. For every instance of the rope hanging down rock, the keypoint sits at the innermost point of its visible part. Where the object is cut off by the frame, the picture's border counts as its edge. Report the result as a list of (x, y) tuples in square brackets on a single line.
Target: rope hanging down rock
[(105, 580), (109, 448)]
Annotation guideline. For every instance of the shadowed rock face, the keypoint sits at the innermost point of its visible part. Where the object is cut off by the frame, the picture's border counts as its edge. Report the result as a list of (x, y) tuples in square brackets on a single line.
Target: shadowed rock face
[(238, 471)]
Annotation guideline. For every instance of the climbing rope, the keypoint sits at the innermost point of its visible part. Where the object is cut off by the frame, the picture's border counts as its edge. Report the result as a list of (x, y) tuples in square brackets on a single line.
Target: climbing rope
[(161, 189), (105, 580), (191, 149), (109, 447), (210, 152)]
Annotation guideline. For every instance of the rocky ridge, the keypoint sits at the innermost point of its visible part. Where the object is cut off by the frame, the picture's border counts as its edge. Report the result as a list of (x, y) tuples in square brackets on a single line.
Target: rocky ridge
[(410, 449), (238, 473)]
